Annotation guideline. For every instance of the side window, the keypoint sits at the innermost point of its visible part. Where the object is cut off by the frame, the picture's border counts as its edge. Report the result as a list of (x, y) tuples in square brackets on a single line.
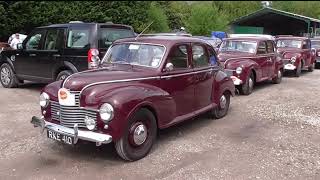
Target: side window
[(179, 57), (262, 48), (212, 57), (34, 42), (270, 47), (199, 56), (78, 38), (51, 39)]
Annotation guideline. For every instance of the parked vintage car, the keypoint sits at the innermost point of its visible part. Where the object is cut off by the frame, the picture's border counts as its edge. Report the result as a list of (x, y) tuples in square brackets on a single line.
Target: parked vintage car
[(56, 51), (296, 53), (249, 60), (315, 46), (4, 46), (142, 85)]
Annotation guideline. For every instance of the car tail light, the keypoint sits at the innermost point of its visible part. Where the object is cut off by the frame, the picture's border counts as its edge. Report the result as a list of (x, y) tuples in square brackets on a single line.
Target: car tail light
[(93, 58)]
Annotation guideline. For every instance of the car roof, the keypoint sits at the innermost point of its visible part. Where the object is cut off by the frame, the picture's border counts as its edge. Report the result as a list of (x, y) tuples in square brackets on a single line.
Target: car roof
[(292, 37), (163, 40), (248, 38), (270, 37), (66, 25)]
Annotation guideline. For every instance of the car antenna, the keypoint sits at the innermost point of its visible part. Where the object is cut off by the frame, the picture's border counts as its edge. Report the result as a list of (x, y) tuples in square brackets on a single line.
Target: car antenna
[(143, 31)]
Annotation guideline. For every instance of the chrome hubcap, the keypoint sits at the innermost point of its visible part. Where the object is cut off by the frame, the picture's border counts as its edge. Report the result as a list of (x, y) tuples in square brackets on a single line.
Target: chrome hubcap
[(223, 102), (5, 76), (140, 134), (279, 74), (63, 77), (250, 83)]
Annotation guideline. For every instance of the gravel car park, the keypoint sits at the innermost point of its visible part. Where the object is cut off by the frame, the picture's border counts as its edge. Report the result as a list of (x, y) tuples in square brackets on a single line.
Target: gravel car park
[(271, 134)]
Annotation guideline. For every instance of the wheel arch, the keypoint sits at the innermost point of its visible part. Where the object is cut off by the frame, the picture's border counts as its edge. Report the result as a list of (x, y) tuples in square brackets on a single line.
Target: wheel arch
[(65, 66)]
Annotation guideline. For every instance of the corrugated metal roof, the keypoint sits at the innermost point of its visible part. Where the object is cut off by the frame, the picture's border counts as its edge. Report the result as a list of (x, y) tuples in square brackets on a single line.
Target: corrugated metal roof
[(272, 10)]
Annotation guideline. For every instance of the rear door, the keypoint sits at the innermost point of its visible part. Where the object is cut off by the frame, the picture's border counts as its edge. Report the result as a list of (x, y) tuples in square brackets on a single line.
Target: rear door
[(307, 53), (272, 58), (179, 82), (203, 75), (263, 59), (50, 57)]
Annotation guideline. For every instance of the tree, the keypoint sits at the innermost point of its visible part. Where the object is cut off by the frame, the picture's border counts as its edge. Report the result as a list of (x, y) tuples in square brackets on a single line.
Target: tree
[(205, 18), (159, 19)]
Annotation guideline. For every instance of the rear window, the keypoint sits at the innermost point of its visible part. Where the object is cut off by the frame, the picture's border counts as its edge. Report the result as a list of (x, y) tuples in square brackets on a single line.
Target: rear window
[(108, 35)]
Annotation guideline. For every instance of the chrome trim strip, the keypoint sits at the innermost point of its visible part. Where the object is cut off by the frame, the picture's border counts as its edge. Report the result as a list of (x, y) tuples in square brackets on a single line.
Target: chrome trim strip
[(185, 74), (74, 132), (116, 81)]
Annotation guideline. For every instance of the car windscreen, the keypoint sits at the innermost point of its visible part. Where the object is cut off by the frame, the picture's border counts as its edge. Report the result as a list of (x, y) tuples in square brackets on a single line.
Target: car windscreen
[(239, 46), (135, 54), (289, 43), (315, 44), (108, 35)]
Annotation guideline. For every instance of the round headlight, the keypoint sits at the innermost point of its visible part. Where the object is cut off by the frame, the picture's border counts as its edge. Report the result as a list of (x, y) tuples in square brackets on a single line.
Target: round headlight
[(239, 70), (44, 99), (293, 59), (106, 112), (90, 123)]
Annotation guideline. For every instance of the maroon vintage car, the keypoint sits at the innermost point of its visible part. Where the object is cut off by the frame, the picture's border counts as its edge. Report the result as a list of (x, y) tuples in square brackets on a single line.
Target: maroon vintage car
[(315, 46), (249, 60), (296, 53), (142, 85)]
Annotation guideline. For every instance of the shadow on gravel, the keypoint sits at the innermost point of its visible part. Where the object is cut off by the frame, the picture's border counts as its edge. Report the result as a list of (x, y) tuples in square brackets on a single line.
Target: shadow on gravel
[(89, 152), (32, 86), (290, 74)]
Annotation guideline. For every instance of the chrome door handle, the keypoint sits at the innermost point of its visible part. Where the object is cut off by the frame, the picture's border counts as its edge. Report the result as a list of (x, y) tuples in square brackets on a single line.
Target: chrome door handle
[(32, 55), (56, 55)]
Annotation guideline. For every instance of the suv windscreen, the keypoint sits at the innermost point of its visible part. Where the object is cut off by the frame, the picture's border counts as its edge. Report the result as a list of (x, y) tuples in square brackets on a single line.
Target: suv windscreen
[(108, 35)]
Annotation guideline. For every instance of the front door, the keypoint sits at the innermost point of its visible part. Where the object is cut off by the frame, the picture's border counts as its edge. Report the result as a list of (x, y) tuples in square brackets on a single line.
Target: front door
[(204, 76), (307, 53), (179, 82), (25, 60)]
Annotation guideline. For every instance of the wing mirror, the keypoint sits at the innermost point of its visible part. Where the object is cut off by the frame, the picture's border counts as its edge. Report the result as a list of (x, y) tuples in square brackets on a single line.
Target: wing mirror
[(19, 46), (169, 67)]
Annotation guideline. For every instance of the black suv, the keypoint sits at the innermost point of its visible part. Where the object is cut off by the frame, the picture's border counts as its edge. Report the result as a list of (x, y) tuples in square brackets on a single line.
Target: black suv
[(54, 52)]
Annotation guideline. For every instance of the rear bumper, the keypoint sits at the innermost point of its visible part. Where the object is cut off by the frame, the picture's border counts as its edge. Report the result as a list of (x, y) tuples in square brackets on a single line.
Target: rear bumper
[(236, 80), (75, 132)]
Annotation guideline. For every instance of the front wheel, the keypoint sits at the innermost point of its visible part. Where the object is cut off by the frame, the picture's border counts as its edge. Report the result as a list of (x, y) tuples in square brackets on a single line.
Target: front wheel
[(7, 76), (311, 67), (298, 70), (247, 87), (138, 137), (223, 106), (278, 78)]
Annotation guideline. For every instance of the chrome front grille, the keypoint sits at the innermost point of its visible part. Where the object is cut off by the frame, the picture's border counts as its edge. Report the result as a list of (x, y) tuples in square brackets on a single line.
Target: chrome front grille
[(71, 115), (77, 97)]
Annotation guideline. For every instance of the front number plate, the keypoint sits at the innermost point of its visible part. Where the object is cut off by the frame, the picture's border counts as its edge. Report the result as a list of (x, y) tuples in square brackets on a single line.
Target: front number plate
[(59, 137)]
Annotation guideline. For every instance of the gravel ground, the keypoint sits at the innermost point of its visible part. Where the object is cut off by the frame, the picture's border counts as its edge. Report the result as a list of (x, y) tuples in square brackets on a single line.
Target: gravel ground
[(270, 134)]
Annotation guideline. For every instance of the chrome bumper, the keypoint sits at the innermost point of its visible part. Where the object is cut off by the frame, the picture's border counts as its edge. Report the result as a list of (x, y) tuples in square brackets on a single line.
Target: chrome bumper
[(289, 67), (236, 80), (75, 132)]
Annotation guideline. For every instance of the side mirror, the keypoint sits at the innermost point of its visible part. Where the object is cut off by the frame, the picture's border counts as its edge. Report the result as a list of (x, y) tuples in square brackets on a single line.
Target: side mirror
[(169, 67), (19, 46)]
